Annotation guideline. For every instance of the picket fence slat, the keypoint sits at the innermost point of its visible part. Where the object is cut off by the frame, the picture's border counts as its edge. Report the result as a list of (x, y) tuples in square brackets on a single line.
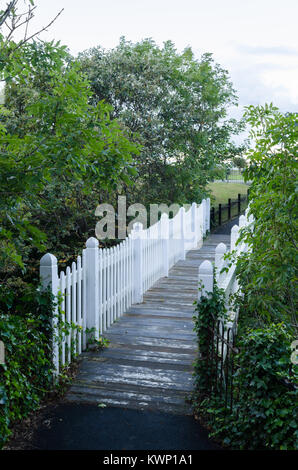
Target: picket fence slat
[(62, 287), (84, 299), (73, 308), (68, 312), (79, 303)]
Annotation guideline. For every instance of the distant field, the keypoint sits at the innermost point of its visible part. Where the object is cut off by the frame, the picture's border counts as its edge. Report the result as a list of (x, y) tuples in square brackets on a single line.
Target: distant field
[(235, 177), (221, 192)]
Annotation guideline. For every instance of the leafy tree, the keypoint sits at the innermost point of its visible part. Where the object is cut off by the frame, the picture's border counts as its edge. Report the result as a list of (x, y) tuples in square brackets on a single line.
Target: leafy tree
[(177, 108), (55, 147), (268, 273), (57, 151), (240, 162)]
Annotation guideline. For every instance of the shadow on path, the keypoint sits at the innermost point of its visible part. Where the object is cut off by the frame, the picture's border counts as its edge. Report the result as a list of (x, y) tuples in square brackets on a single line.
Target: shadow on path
[(71, 426), (225, 229)]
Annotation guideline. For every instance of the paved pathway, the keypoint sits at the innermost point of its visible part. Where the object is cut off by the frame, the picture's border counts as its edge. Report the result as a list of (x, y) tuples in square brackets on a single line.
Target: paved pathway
[(148, 364), (77, 426)]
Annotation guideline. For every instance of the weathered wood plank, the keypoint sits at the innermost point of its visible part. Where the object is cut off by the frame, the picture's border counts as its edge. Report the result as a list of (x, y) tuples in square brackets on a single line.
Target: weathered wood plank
[(140, 354), (153, 362), (180, 324), (107, 373), (164, 344), (152, 334), (160, 313), (140, 401)]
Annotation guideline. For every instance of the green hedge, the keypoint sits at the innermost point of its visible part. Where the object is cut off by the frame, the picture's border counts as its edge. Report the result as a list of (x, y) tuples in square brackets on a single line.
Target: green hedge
[(265, 413), (26, 376)]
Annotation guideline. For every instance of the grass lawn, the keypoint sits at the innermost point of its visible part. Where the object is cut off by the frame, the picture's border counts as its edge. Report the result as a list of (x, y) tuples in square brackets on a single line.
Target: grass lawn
[(235, 177), (221, 192)]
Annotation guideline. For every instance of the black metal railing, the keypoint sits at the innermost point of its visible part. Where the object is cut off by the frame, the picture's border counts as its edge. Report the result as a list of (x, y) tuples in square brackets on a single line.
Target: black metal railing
[(220, 363), (234, 174), (225, 212)]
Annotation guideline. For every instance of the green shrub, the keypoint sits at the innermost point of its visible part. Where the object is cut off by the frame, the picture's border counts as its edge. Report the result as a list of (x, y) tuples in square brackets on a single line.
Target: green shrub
[(218, 173), (207, 311), (268, 274), (26, 375), (264, 414)]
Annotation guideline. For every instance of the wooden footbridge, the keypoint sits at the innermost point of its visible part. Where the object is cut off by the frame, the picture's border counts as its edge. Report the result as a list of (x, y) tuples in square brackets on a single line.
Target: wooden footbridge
[(149, 361)]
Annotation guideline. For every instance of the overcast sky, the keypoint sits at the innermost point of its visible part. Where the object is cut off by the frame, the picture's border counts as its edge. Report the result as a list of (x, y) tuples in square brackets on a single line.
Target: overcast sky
[(255, 40)]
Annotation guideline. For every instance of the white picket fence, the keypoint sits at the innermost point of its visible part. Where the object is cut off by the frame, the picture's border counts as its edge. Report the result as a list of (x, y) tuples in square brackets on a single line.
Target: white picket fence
[(225, 280), (104, 283), (226, 328)]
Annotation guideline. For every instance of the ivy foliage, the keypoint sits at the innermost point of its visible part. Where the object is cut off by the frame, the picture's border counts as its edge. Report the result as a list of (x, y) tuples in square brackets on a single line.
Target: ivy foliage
[(208, 310), (27, 375), (264, 415)]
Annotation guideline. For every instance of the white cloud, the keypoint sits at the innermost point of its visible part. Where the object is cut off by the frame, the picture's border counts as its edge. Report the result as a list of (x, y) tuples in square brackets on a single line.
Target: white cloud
[(264, 74), (268, 50)]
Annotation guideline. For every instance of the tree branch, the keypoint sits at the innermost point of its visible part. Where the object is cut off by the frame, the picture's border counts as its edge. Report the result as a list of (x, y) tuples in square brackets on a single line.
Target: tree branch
[(8, 11), (35, 34)]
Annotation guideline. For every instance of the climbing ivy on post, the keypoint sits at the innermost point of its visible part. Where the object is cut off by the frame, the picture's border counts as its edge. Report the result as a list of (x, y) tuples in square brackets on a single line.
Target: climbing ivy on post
[(208, 309)]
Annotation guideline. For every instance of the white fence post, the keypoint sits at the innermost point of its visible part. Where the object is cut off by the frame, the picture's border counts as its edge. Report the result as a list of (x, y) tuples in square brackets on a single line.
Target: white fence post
[(194, 224), (205, 278), (84, 298), (137, 262), (164, 221), (242, 221), (204, 217), (2, 353), (234, 236), (220, 251), (49, 277), (200, 219), (246, 214), (182, 227), (92, 285), (208, 214)]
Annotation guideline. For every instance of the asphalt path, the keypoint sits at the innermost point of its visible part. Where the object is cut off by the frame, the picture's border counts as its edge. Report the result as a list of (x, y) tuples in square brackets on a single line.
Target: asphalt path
[(71, 426)]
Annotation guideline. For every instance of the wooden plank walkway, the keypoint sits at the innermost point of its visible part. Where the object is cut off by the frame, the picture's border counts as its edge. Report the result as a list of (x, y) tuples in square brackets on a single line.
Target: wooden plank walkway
[(148, 364)]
